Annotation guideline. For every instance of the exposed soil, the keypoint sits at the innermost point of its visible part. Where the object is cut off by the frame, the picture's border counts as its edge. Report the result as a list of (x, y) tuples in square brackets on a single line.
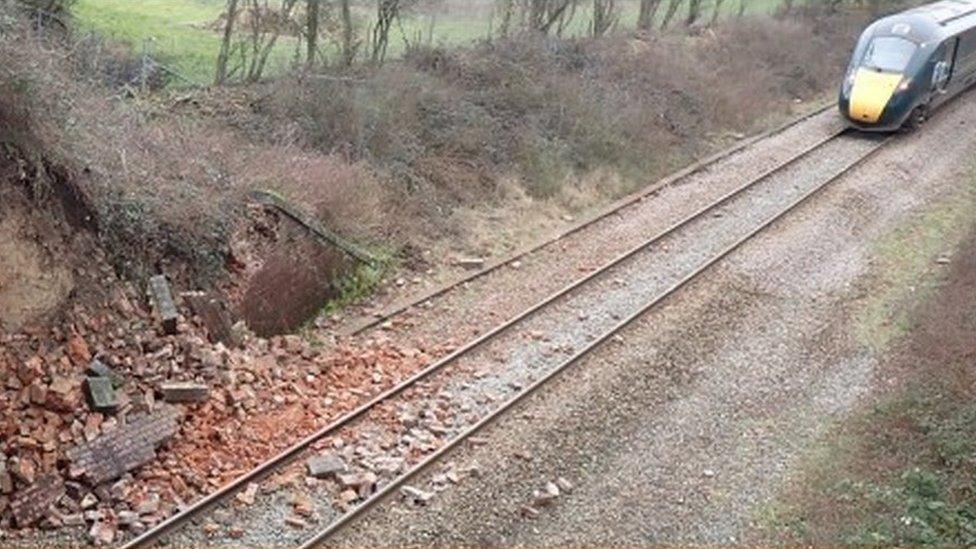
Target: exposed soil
[(33, 283)]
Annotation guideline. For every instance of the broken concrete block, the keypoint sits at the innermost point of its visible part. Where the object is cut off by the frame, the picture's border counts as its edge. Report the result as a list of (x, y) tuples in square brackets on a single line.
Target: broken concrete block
[(184, 392), (6, 483), (363, 483), (38, 393), (416, 495), (33, 503), (101, 394), (62, 394), (528, 511), (214, 316), (97, 368), (470, 262), (163, 303), (325, 465), (542, 498), (247, 497)]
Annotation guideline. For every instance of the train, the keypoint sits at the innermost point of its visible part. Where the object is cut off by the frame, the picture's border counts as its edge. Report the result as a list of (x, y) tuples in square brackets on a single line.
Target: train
[(908, 64)]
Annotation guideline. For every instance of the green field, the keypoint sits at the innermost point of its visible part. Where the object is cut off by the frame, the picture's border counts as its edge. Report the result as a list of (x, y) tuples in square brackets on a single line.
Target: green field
[(181, 34)]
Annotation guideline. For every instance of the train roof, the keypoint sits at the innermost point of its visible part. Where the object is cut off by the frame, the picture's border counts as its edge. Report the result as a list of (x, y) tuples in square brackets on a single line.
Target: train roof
[(929, 23), (946, 17)]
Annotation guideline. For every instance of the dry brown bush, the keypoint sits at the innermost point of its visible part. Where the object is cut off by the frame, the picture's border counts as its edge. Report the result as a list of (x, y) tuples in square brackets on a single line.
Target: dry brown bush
[(391, 154), (549, 110)]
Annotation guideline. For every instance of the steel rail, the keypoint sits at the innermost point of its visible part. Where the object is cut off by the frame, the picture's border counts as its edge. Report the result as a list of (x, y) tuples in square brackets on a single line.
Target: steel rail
[(614, 208), (389, 488), (285, 456)]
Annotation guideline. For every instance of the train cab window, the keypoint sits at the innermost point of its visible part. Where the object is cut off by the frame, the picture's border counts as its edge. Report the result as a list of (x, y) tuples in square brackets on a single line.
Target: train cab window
[(889, 54)]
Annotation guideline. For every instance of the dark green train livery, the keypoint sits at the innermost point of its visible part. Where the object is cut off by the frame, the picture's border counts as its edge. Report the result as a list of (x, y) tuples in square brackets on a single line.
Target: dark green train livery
[(907, 64)]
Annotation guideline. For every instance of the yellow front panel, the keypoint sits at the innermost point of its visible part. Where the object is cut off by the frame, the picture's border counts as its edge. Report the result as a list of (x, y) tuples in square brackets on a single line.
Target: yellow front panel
[(871, 93)]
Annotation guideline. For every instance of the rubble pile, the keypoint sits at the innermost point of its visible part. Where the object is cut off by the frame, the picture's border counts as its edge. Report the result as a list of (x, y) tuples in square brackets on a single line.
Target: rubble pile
[(121, 412)]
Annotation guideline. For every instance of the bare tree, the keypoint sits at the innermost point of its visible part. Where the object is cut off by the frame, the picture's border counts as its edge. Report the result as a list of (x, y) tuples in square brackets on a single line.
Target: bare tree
[(669, 14), (542, 15), (566, 17), (716, 11), (312, 14), (648, 10), (507, 9), (604, 16), (265, 25), (694, 12), (349, 44), (387, 12), (225, 43)]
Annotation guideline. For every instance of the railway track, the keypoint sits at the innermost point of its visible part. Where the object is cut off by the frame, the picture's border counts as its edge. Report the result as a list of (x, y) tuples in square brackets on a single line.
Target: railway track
[(612, 209), (455, 397)]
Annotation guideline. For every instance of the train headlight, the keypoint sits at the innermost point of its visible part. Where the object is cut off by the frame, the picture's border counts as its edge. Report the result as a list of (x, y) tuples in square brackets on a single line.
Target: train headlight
[(905, 84), (849, 80)]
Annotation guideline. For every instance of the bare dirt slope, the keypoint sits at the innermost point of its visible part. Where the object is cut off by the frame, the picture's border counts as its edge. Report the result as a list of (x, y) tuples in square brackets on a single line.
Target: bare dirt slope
[(34, 278), (30, 283), (687, 431)]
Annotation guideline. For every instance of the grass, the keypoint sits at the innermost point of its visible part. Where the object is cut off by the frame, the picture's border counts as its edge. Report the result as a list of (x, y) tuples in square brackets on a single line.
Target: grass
[(922, 442), (902, 470), (173, 31), (907, 257), (177, 32)]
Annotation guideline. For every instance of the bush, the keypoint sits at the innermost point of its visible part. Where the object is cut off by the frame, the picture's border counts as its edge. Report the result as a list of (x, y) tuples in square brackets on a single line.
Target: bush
[(552, 110)]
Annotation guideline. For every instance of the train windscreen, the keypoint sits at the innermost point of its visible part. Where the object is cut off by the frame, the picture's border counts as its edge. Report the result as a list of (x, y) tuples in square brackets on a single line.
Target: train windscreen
[(889, 54)]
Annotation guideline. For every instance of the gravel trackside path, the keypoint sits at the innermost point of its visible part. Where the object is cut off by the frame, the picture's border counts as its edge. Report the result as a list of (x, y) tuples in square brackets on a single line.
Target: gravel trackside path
[(682, 430)]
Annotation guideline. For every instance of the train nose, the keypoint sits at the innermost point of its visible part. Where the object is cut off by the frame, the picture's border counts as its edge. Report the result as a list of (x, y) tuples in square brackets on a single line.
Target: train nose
[(871, 93)]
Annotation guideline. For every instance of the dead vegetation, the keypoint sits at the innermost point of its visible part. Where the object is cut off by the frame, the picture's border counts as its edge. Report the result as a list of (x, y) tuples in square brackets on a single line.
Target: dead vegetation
[(421, 154), (446, 126)]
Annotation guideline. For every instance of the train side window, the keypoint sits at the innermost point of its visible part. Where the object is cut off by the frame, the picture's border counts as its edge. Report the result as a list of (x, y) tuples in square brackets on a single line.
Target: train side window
[(942, 73), (966, 55)]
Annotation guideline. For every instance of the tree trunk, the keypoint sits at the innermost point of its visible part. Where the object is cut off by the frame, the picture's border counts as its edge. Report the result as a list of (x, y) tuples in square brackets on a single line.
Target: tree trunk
[(553, 12), (263, 42), (507, 8), (694, 12), (673, 6), (221, 76), (312, 30), (387, 12), (604, 16), (348, 34), (716, 12), (648, 9)]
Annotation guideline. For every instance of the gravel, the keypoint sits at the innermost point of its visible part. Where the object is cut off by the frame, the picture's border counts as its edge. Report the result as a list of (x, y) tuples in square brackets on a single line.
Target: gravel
[(477, 306), (441, 407), (683, 432), (455, 399)]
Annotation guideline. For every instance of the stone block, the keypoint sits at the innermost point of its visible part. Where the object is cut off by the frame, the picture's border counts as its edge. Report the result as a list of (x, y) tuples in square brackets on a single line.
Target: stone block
[(163, 304)]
